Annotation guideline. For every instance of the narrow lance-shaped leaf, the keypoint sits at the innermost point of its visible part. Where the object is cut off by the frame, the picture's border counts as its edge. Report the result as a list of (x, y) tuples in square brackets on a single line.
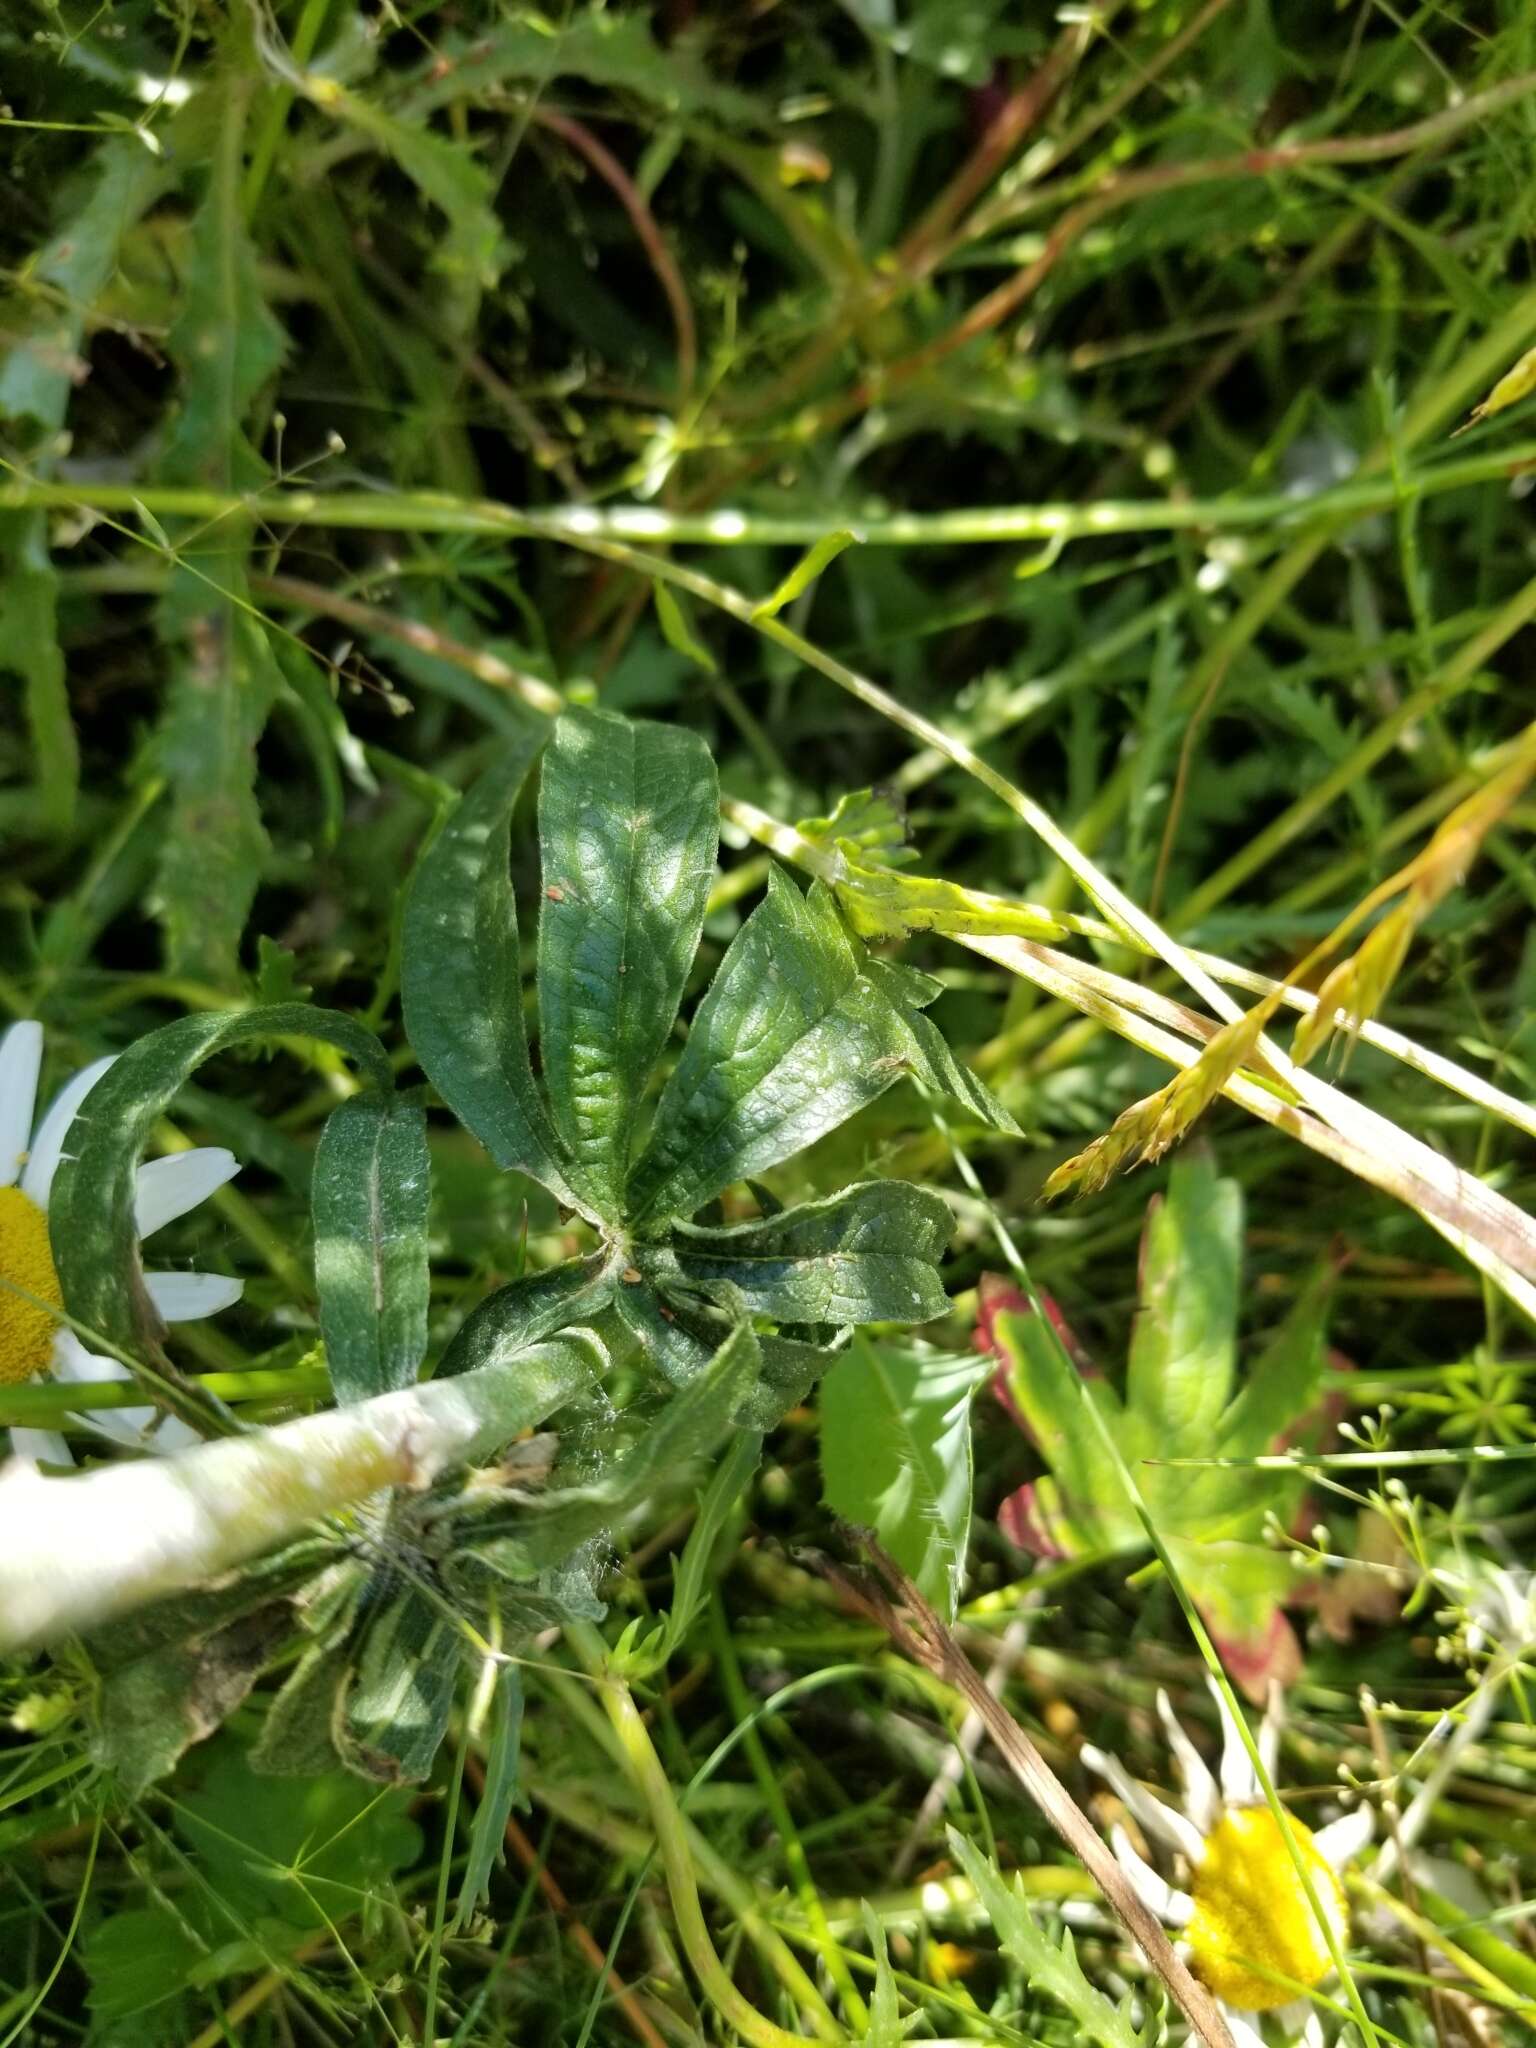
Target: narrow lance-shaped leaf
[(493, 1809), (461, 980), (527, 1311), (896, 1455), (372, 1186), (789, 1042), (628, 827), (90, 1213), (869, 1254), (224, 678)]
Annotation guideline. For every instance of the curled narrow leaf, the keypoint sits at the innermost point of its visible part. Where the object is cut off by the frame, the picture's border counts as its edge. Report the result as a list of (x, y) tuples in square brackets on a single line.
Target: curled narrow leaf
[(810, 565), (1516, 383)]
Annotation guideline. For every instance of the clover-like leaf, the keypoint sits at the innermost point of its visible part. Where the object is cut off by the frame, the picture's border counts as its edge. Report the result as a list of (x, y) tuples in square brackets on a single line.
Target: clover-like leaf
[(628, 827)]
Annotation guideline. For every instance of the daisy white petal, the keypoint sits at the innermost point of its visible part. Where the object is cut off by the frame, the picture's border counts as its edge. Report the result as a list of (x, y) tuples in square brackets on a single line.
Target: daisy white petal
[(1164, 1821), (1344, 1838), (168, 1188), (1202, 1802), (36, 1447), (1243, 2031), (1310, 2033), (188, 1297), (48, 1145), (21, 1058), (1239, 1780), (1173, 1908), (73, 1363), (1269, 1730)]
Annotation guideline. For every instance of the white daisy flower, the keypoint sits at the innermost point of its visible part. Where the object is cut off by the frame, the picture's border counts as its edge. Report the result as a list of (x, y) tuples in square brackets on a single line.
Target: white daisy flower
[(33, 1342), (1245, 1911)]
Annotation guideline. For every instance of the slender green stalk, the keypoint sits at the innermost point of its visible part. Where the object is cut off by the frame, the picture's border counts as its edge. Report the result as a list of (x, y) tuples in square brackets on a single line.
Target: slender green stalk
[(644, 1767)]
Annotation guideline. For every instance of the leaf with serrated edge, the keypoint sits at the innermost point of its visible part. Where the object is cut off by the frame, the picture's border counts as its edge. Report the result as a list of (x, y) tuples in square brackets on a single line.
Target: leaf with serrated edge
[(371, 1191), (461, 983), (1049, 1967), (896, 1455), (789, 1042), (869, 1254), (628, 827)]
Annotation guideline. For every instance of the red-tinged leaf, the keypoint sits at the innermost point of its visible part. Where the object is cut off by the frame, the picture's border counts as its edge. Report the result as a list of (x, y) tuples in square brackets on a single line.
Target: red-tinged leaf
[(1255, 1663), (1028, 1523)]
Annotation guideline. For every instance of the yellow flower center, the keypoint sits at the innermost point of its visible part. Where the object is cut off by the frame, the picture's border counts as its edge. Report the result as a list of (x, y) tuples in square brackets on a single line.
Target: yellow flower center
[(1250, 1908), (26, 1330)]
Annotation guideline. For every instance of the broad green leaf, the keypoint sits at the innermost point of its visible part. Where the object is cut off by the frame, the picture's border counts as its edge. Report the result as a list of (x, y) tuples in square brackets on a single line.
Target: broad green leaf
[(135, 1960), (90, 1211), (628, 827), (372, 1187), (1047, 1967), (153, 1710), (691, 1424), (514, 1318), (303, 1850), (487, 1837), (790, 1041), (461, 980), (395, 1712), (1184, 1343), (193, 1616), (224, 678), (1285, 1379), (810, 565), (869, 1254), (896, 1455)]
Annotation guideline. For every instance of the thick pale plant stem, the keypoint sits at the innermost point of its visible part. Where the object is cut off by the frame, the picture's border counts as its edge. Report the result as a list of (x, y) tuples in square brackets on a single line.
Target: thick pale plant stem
[(74, 1552)]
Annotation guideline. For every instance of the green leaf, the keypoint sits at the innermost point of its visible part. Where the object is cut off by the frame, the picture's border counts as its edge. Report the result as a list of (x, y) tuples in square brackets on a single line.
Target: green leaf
[(90, 1211), (29, 647), (153, 1710), (694, 1572), (395, 1713), (810, 565), (1048, 1967), (628, 827), (224, 682), (1285, 1379), (677, 632), (526, 1311), (1184, 1343), (461, 980), (38, 370), (930, 1059), (135, 1960), (789, 1042), (298, 1737), (1050, 1395), (869, 1254), (224, 678), (305, 1850), (372, 1188), (896, 1455), (487, 1837), (690, 1425)]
